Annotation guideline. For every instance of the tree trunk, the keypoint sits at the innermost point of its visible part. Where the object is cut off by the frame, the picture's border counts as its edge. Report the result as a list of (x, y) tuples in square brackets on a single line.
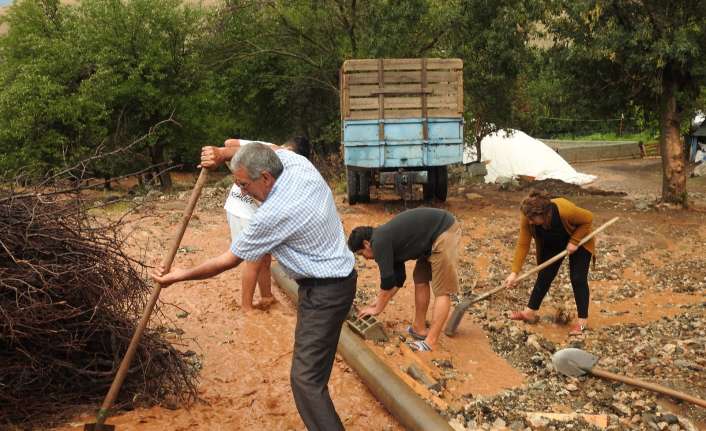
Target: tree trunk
[(165, 179), (673, 161), (478, 138)]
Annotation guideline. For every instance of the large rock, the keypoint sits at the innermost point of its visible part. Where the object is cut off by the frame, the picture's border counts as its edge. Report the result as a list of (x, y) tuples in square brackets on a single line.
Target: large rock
[(476, 169), (700, 170)]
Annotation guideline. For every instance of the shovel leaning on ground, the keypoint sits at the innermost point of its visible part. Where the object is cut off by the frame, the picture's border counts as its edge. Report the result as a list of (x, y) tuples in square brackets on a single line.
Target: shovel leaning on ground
[(460, 309), (156, 289), (574, 362)]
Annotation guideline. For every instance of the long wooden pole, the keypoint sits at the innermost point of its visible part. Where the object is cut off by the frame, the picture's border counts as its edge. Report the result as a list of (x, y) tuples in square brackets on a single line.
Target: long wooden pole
[(156, 289), (647, 385), (546, 263)]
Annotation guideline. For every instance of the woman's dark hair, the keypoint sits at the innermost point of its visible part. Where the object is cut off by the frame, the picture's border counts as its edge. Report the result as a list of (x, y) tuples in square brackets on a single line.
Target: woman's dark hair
[(537, 203), (358, 235), (300, 145)]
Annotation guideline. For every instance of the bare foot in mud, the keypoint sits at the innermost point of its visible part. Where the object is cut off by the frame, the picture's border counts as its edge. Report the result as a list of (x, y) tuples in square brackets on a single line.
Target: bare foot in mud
[(265, 303)]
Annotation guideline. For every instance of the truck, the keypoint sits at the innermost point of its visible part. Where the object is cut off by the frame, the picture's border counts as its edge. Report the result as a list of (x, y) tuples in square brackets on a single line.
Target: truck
[(401, 125)]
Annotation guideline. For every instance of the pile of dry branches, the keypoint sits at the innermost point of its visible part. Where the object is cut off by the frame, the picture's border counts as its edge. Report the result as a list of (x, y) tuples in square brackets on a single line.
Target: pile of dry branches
[(70, 299)]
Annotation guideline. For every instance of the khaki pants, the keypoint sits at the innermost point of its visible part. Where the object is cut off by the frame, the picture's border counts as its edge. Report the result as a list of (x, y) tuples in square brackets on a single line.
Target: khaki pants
[(441, 266)]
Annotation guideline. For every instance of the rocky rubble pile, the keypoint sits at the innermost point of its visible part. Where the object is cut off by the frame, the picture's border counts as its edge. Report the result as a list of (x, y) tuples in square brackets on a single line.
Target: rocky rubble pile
[(670, 352)]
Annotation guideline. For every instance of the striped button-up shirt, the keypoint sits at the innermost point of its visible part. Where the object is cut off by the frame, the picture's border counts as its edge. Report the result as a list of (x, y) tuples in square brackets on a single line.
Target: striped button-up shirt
[(298, 224)]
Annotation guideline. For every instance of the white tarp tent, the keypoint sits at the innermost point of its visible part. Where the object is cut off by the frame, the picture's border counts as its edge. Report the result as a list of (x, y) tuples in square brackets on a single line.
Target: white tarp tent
[(516, 153)]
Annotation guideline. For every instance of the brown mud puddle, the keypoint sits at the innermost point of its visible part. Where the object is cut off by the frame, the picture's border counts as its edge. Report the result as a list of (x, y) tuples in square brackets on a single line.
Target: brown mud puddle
[(649, 307), (476, 369), (246, 359)]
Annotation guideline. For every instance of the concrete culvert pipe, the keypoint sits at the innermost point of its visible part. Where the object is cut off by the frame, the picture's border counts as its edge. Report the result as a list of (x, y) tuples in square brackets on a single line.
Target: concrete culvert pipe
[(399, 399)]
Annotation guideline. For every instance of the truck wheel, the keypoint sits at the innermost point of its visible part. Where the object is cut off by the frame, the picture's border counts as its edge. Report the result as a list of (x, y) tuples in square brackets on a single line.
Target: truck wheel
[(430, 187), (442, 182), (352, 186), (363, 186)]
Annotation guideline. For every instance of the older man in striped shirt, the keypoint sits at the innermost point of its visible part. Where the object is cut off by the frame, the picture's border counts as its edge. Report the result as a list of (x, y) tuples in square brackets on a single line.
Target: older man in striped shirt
[(298, 224)]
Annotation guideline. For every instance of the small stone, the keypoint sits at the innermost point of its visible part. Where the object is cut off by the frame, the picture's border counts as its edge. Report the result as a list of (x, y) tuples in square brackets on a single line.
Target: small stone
[(537, 359), (456, 425), (533, 343), (686, 424), (472, 196), (182, 314), (669, 348), (389, 350), (622, 408), (496, 326), (662, 425), (547, 345), (571, 387), (642, 205), (538, 421), (499, 423), (538, 385), (674, 427), (517, 426), (670, 419), (649, 417)]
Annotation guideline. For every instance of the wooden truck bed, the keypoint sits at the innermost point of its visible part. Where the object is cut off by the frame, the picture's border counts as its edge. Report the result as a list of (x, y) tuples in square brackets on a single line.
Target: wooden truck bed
[(401, 88)]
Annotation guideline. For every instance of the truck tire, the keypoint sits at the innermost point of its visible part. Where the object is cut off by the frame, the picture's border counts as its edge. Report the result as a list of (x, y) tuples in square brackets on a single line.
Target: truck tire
[(430, 187), (352, 186), (363, 186), (442, 183)]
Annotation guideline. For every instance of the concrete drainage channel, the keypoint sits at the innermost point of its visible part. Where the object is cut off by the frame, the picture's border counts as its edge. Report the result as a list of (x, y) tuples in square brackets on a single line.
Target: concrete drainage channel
[(399, 399)]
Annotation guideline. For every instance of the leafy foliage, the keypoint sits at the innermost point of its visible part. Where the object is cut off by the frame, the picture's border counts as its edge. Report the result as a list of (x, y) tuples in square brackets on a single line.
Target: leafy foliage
[(647, 54), (93, 76), (90, 78)]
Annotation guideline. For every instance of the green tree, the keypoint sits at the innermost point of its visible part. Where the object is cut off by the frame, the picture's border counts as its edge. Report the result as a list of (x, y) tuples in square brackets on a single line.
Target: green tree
[(650, 53), (493, 40), (45, 118), (96, 76), (146, 66), (279, 61)]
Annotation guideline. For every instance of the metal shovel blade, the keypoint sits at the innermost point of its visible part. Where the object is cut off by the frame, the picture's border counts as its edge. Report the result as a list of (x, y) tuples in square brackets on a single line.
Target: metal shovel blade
[(573, 362)]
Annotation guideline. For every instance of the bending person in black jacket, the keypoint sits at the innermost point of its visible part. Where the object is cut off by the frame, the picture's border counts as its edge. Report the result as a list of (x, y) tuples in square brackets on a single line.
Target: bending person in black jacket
[(430, 236)]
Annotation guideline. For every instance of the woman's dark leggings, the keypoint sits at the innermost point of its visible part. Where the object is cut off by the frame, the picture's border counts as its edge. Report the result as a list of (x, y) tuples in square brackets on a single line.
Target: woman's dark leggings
[(579, 261)]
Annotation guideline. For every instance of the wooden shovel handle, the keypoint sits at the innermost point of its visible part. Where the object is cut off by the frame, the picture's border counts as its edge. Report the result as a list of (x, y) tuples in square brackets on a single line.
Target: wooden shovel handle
[(649, 386), (545, 263), (135, 341)]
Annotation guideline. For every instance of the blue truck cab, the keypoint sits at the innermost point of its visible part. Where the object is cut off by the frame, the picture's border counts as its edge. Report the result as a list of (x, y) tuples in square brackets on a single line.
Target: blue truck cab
[(402, 124)]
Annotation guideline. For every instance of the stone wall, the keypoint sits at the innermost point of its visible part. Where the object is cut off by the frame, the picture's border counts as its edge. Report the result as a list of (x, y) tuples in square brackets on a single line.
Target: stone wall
[(589, 151)]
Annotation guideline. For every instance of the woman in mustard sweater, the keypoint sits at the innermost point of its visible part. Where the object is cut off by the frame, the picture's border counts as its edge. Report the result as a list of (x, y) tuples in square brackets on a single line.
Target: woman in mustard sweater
[(555, 225)]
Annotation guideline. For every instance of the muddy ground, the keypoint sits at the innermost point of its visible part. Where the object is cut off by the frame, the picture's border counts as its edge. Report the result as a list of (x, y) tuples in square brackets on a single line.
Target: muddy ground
[(647, 319)]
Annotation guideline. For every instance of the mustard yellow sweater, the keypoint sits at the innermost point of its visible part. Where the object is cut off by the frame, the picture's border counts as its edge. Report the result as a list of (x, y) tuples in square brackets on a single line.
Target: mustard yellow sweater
[(577, 222)]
